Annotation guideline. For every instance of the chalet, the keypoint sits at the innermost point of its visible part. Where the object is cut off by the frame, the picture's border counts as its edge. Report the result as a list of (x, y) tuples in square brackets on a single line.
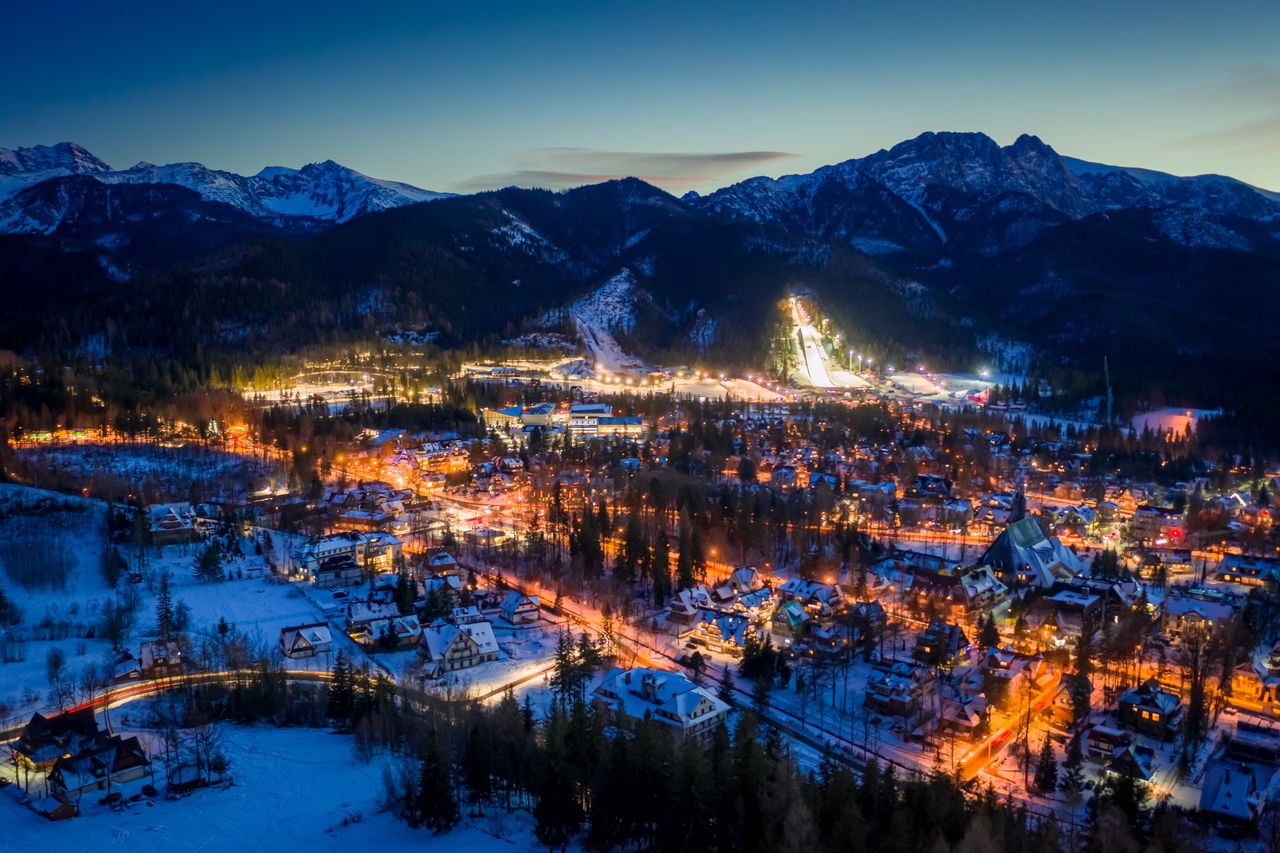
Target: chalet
[(746, 579), (1231, 795), (1199, 608), (789, 622), (451, 647), (1131, 760), (111, 762), (1063, 615), (1023, 555), (520, 609), (941, 644), (46, 739), (686, 603), (371, 550), (1006, 674), (160, 659), (172, 524), (1255, 571), (726, 633), (1101, 742), (465, 615), (825, 597), (1151, 710), (964, 716), (361, 613), (670, 698), (899, 689), (440, 562), (393, 632), (306, 641)]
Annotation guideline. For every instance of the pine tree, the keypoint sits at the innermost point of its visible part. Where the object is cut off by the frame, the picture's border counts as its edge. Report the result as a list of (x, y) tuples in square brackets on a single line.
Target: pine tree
[(557, 812), (989, 634), (661, 569), (1046, 778), (1073, 777), (437, 805), (164, 609), (341, 692), (406, 594), (725, 688), (684, 560)]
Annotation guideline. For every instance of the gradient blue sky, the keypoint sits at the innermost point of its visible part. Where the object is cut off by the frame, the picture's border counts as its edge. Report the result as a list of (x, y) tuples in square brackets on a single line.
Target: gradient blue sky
[(466, 95)]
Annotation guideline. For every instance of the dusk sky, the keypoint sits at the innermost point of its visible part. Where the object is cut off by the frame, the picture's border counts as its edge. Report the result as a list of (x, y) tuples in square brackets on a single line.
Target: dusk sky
[(467, 96)]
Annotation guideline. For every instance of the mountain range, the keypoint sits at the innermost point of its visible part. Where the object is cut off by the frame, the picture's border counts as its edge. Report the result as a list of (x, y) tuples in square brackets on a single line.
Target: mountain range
[(36, 197), (947, 246)]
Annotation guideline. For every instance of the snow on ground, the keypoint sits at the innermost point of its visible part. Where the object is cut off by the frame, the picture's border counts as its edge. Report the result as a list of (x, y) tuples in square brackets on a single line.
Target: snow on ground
[(294, 789), (71, 618), (609, 307), (1177, 421)]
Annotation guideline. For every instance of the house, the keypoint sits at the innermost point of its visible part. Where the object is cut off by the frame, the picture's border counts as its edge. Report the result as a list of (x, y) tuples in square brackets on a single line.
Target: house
[(746, 579), (1255, 571), (1197, 608), (686, 603), (941, 644), (1102, 742), (726, 633), (337, 571), (372, 550), (441, 563), (520, 609), (1023, 555), (78, 757), (394, 632), (1132, 759), (452, 647), (46, 739), (826, 597), (361, 613), (899, 689), (669, 698), (306, 641), (110, 763), (789, 621), (1151, 710), (1006, 674), (160, 659), (964, 716), (1231, 795), (1063, 615), (172, 524), (465, 615)]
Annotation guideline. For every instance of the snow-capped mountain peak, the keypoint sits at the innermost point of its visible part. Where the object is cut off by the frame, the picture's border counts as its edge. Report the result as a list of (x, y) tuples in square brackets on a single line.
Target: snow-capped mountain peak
[(963, 192), (325, 192), (65, 158)]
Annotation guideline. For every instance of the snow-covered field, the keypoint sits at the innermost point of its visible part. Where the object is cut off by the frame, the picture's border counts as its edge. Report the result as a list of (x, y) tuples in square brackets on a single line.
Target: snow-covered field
[(294, 789), (1177, 421), (71, 618)]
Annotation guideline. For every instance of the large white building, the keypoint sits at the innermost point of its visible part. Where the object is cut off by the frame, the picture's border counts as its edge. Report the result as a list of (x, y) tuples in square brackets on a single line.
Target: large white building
[(668, 697), (375, 552)]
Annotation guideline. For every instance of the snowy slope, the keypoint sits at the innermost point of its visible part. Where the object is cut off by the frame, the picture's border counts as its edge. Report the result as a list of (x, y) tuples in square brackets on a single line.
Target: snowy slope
[(610, 307)]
